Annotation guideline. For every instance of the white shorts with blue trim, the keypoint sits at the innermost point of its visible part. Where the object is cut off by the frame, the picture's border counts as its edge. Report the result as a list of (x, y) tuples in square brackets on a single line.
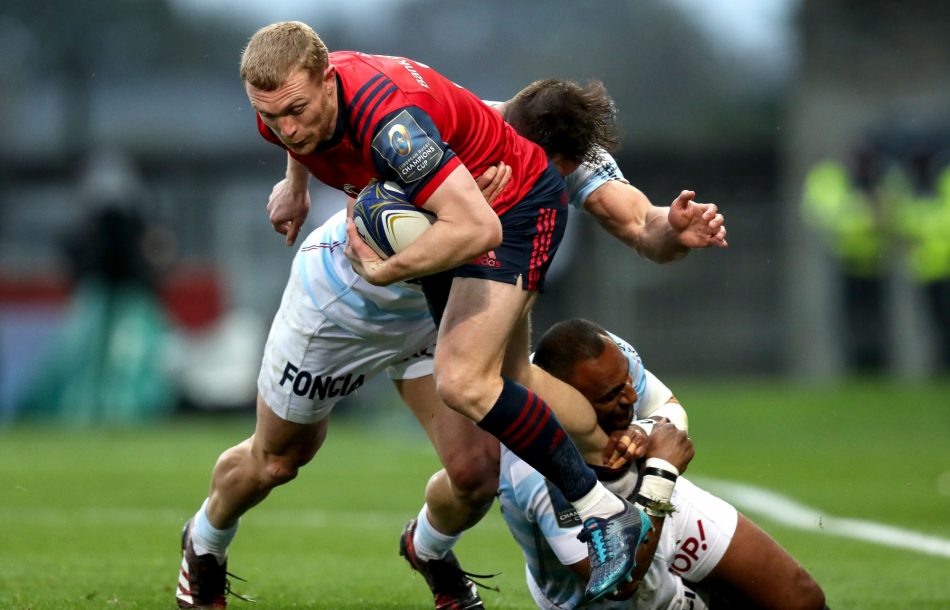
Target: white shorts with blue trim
[(334, 331)]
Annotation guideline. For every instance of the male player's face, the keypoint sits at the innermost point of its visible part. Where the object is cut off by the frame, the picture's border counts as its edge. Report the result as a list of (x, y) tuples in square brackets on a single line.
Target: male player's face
[(605, 382), (301, 112)]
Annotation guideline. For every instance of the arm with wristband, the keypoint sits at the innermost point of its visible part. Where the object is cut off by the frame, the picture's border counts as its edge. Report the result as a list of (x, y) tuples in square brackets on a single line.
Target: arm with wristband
[(668, 452)]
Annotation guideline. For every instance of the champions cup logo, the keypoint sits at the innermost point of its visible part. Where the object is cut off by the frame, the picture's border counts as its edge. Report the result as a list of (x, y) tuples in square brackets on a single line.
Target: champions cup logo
[(399, 140)]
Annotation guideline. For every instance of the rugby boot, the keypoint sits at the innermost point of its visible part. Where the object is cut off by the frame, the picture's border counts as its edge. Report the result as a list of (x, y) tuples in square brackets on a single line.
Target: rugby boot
[(612, 548), (202, 583), (450, 584)]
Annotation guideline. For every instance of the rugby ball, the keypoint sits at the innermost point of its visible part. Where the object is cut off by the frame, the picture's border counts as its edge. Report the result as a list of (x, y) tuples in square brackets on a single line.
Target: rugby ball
[(386, 220)]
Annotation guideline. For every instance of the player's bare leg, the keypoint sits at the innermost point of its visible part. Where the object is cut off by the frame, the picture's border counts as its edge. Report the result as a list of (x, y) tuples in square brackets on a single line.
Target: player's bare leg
[(473, 339), (459, 496), (246, 473), (455, 500), (242, 477), (756, 572)]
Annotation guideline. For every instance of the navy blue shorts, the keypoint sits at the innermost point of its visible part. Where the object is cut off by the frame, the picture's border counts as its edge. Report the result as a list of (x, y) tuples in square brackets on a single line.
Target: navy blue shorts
[(531, 233)]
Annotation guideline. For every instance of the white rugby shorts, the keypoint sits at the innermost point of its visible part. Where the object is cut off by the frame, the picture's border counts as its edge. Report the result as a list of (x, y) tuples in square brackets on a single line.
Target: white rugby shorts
[(697, 535), (316, 355)]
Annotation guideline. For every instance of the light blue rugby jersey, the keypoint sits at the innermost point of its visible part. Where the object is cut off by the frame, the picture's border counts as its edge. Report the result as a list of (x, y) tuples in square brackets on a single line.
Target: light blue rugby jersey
[(526, 505), (342, 295), (590, 176), (537, 513), (638, 374)]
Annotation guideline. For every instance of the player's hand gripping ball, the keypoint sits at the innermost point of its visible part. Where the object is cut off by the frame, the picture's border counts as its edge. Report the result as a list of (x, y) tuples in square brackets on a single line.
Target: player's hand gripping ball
[(387, 220)]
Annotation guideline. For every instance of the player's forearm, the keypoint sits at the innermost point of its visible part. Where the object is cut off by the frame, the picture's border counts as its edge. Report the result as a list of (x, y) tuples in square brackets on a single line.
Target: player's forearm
[(444, 246), (467, 227), (627, 214), (298, 176)]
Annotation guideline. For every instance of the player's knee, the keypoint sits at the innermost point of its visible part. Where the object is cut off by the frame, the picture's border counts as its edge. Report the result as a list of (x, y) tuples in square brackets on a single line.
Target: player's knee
[(475, 483), (805, 594), (813, 598), (463, 391), (280, 470)]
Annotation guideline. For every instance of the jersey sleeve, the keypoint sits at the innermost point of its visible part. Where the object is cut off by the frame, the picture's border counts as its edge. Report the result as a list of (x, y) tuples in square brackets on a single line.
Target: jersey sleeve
[(407, 148), (543, 505), (591, 175), (654, 396), (558, 523), (637, 371)]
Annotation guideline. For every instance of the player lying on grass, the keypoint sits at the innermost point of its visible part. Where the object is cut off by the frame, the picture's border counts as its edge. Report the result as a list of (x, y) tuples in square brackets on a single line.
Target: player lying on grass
[(332, 332), (698, 541)]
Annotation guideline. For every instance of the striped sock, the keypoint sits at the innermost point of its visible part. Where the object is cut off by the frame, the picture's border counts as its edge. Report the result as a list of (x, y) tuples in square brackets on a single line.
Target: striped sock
[(529, 428)]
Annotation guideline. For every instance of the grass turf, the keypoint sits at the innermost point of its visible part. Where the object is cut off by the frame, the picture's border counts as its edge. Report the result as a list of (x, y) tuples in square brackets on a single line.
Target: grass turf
[(90, 518)]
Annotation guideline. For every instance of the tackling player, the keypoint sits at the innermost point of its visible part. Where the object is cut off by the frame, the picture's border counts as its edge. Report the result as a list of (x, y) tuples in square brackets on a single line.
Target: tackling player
[(696, 538)]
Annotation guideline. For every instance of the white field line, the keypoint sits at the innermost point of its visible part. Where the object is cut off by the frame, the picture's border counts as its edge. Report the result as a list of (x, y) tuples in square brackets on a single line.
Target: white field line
[(785, 511), (12, 517), (762, 502), (101, 515)]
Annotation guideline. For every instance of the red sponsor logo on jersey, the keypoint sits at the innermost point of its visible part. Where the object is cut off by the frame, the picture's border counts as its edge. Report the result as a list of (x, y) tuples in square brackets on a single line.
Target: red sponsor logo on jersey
[(687, 555), (487, 260)]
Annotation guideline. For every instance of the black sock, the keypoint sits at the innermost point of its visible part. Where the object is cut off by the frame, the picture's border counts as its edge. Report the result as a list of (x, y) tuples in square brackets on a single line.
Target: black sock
[(529, 428)]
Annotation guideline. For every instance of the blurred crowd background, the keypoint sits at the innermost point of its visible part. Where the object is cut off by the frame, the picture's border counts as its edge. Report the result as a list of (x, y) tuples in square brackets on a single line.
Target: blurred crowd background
[(139, 273)]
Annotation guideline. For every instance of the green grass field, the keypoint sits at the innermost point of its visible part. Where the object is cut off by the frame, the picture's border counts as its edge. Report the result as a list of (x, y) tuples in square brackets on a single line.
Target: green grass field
[(90, 519)]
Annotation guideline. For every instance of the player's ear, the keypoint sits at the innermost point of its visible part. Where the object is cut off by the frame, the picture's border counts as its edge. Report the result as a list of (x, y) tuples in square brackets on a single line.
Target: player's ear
[(329, 76)]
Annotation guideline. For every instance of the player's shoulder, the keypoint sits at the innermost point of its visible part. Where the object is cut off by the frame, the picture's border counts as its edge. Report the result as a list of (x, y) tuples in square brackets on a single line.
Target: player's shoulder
[(408, 75), (625, 346), (601, 165), (591, 175)]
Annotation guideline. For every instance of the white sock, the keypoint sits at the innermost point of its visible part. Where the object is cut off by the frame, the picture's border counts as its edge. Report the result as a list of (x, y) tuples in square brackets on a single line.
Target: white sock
[(206, 538), (598, 502), (429, 542)]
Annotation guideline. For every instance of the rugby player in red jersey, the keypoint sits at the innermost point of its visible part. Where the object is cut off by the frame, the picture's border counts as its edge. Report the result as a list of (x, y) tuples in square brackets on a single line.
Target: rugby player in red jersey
[(346, 118)]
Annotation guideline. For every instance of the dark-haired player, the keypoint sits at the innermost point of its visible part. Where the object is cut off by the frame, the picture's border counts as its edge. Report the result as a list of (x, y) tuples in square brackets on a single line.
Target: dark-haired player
[(697, 538)]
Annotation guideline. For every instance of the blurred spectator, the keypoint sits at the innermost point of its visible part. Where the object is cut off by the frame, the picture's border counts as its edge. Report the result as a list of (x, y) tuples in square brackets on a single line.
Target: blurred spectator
[(922, 215), (844, 204), (109, 363)]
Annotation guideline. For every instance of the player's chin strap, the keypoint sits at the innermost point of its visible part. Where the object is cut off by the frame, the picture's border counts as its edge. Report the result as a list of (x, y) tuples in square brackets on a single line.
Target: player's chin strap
[(659, 479)]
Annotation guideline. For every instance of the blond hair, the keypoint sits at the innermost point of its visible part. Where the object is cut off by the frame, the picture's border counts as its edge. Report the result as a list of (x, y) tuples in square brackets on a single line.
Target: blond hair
[(277, 50)]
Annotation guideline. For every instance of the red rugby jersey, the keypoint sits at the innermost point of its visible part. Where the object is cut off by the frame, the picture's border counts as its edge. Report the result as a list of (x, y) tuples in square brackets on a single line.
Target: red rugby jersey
[(403, 121)]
